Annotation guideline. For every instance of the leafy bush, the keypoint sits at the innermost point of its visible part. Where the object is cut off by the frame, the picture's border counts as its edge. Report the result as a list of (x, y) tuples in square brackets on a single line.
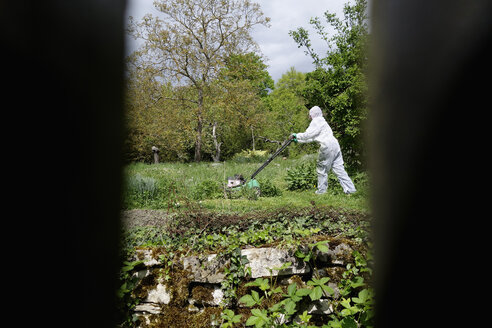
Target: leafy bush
[(302, 177), (207, 189), (268, 189)]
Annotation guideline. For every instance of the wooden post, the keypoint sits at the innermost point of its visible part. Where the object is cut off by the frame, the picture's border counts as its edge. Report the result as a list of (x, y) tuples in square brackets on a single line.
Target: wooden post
[(155, 150)]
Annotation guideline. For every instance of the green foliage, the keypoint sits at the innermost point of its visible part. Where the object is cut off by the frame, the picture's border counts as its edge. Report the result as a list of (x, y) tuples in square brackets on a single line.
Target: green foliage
[(189, 113), (146, 191), (234, 274), (248, 67), (251, 300), (174, 49), (185, 186), (349, 310), (142, 187), (128, 282), (268, 189), (286, 112), (319, 288), (208, 189), (302, 177), (229, 318), (259, 318)]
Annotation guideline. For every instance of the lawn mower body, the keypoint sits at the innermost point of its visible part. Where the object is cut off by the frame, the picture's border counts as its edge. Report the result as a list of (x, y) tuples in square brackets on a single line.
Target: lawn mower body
[(237, 181)]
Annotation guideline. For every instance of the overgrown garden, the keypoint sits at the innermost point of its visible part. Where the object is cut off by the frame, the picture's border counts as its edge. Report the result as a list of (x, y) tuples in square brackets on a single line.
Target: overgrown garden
[(198, 89)]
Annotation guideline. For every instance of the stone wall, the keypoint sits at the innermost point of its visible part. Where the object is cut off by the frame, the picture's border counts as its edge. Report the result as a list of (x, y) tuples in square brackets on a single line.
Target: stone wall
[(189, 294)]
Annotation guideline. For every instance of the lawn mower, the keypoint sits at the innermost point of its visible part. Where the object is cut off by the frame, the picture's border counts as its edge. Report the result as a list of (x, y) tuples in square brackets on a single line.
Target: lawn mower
[(237, 182)]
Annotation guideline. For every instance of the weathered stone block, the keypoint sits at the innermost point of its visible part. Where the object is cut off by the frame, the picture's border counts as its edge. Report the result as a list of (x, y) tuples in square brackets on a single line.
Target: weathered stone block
[(263, 259), (206, 295), (338, 255), (146, 255), (148, 308), (207, 270), (159, 294)]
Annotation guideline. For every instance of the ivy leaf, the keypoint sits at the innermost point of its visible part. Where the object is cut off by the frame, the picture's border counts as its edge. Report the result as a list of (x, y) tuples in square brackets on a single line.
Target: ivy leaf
[(299, 254), (259, 282), (345, 303), (357, 282), (363, 297), (283, 266), (334, 323)]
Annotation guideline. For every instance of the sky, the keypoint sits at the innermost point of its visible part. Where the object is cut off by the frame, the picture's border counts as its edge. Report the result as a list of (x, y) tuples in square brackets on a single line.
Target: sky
[(275, 42)]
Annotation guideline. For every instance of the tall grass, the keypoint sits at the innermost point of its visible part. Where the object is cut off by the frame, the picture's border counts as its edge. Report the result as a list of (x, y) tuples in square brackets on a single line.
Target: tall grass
[(177, 186)]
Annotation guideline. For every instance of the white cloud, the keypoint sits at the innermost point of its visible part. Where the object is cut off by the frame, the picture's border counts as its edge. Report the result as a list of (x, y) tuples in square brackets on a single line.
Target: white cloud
[(288, 15)]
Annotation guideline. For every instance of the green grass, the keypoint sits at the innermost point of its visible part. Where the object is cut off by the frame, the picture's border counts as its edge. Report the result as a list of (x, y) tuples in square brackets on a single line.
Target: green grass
[(176, 186)]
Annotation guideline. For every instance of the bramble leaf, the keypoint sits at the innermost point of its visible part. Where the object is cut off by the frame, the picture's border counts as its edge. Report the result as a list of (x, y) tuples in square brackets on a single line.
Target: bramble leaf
[(316, 293)]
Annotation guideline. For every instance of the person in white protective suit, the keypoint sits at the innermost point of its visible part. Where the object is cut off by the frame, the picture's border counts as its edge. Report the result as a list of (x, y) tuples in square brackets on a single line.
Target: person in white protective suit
[(329, 155)]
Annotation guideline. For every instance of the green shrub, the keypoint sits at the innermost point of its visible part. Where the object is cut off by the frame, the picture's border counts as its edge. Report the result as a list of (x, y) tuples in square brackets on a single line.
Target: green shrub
[(302, 177), (268, 189), (207, 189)]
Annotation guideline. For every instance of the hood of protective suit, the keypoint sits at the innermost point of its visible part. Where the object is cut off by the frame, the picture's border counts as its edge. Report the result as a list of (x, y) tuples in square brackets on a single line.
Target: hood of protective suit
[(315, 112), (318, 130)]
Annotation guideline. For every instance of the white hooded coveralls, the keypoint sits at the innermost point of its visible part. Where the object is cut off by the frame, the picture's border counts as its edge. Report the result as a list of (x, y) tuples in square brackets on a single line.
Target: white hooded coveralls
[(329, 155)]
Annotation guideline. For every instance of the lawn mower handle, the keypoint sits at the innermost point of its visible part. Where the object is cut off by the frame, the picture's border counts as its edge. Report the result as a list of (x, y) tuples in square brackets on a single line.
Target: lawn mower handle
[(284, 145)]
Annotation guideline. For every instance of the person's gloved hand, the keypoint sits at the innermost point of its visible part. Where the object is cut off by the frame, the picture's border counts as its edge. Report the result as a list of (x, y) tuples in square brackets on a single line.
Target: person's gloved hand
[(293, 136)]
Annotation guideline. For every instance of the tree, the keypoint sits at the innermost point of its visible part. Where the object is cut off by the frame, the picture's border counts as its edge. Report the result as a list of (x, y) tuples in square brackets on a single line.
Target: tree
[(156, 114), (249, 67), (245, 80), (338, 84), (287, 112), (190, 45)]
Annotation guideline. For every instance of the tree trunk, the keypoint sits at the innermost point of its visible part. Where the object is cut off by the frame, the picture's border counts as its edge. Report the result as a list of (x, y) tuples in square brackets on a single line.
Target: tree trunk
[(217, 144), (199, 128), (253, 137)]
